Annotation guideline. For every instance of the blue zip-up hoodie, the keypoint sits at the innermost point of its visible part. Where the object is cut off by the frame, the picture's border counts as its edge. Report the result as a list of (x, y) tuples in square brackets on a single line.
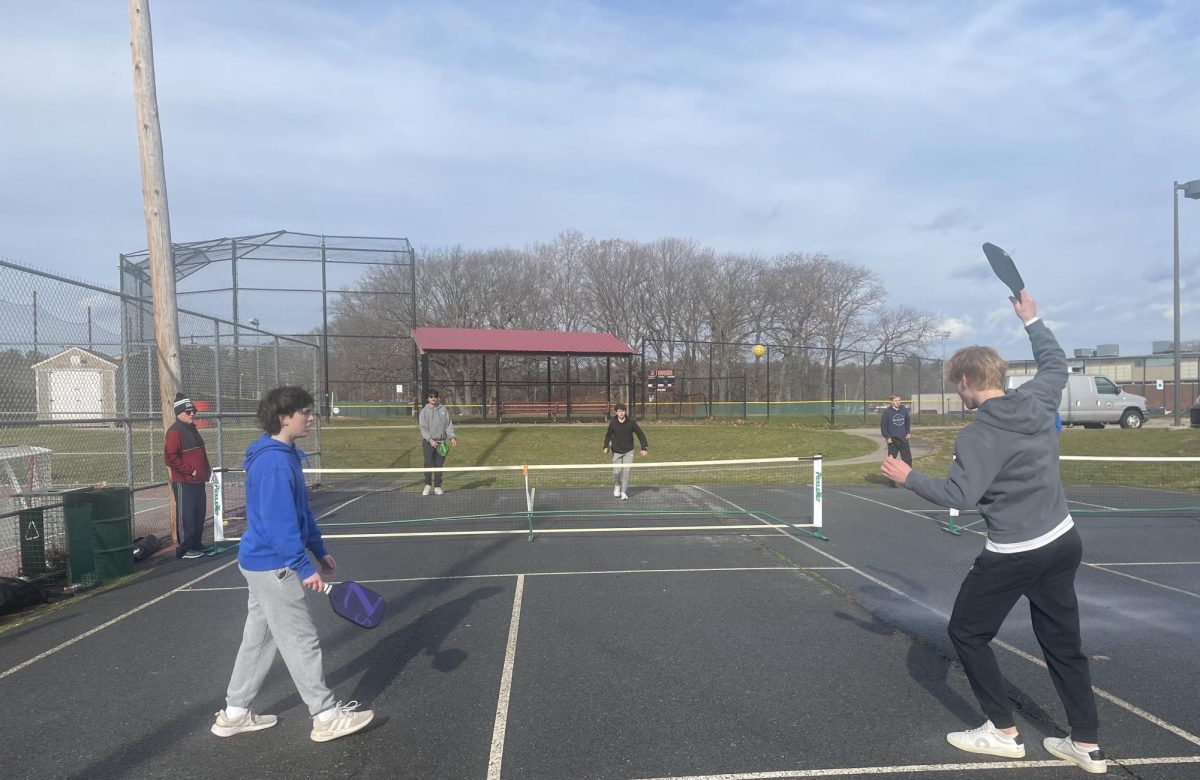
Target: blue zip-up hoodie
[(280, 529)]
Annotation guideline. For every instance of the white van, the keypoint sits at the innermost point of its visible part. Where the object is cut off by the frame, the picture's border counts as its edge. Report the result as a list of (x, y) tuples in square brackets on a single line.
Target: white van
[(1092, 401)]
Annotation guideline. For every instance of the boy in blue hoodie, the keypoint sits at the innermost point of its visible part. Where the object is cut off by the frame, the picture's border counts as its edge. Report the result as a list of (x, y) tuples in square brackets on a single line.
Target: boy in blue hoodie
[(274, 558), (1006, 463)]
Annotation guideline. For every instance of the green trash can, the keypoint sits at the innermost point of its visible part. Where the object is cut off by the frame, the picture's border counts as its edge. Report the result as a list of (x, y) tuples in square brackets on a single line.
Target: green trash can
[(99, 532), (113, 545), (80, 532)]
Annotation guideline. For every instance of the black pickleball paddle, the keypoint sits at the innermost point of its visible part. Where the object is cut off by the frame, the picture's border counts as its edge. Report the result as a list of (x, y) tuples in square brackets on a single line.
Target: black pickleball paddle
[(1004, 267), (356, 603)]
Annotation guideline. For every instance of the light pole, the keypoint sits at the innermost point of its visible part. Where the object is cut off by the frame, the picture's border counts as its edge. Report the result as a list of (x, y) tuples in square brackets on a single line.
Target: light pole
[(1190, 189), (943, 335)]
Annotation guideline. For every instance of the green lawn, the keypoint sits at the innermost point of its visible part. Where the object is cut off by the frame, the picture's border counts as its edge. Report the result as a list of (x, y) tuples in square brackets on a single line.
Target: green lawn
[(1114, 442), (495, 445), (90, 455)]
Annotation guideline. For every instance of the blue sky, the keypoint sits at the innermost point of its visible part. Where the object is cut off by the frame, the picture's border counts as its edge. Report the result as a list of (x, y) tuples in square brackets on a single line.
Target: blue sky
[(899, 136)]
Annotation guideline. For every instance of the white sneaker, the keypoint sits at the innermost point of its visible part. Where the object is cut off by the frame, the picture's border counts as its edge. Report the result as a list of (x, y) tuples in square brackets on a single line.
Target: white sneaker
[(616, 490), (1065, 748), (346, 720), (624, 497), (425, 492), (437, 491), (988, 739), (248, 721)]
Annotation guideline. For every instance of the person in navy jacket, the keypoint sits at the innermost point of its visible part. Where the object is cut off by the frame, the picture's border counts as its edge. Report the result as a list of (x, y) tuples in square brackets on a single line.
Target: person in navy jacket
[(895, 425)]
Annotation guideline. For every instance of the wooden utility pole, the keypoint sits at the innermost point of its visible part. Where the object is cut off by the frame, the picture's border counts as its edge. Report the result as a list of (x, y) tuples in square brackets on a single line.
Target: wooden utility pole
[(158, 221)]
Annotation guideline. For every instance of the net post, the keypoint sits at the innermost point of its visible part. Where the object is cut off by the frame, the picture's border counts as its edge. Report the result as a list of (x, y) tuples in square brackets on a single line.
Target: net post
[(218, 505), (528, 501), (818, 490)]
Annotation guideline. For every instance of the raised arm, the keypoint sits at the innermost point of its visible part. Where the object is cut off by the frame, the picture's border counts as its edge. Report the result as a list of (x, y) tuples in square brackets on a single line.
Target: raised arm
[(1051, 377)]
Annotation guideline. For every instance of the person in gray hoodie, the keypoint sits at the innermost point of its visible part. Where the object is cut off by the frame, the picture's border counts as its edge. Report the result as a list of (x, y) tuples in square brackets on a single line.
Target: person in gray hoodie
[(1006, 463), (436, 428)]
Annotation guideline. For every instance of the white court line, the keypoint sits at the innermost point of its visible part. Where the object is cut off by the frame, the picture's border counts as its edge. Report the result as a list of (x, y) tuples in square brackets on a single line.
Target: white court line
[(859, 771), (112, 622), (496, 758), (1103, 567), (387, 580), (912, 512), (340, 506), (1110, 697), (1148, 563), (1095, 506)]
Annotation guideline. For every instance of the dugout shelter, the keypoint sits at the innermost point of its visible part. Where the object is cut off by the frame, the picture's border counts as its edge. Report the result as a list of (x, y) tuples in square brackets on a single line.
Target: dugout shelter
[(563, 397)]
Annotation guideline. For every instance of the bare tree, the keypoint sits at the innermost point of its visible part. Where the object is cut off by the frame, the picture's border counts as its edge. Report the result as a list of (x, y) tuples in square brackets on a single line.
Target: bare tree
[(899, 329), (672, 296)]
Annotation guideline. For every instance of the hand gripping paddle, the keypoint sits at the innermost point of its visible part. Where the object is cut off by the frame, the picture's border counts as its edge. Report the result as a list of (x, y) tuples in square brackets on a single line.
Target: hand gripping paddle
[(356, 603), (1004, 268)]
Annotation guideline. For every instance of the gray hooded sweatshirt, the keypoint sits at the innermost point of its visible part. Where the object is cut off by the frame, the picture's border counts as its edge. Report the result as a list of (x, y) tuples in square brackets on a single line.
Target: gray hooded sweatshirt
[(435, 423), (1006, 461)]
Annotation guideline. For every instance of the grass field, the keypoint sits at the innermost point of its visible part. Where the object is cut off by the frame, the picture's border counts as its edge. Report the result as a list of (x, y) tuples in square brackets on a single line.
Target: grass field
[(1116, 442), (92, 455), (500, 445)]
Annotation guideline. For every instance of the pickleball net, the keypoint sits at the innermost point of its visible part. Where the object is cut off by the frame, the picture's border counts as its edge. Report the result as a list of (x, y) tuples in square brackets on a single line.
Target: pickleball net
[(1102, 485), (1119, 486), (717, 495)]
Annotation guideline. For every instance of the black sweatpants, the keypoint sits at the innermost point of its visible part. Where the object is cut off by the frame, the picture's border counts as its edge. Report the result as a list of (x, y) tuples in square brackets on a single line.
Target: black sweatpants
[(432, 461), (899, 448), (189, 518), (1045, 576)]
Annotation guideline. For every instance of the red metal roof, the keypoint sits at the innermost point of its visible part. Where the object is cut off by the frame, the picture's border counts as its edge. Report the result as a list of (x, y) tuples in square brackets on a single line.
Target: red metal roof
[(531, 342)]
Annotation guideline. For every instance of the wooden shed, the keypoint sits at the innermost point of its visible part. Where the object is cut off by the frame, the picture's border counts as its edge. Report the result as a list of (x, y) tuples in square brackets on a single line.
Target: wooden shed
[(76, 384)]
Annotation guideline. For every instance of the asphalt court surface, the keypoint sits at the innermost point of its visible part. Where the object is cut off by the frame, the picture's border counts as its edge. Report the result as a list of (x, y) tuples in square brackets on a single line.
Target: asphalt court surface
[(626, 655)]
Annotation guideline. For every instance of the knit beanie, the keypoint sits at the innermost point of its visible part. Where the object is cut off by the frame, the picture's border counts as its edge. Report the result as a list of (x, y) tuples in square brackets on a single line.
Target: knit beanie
[(183, 404)]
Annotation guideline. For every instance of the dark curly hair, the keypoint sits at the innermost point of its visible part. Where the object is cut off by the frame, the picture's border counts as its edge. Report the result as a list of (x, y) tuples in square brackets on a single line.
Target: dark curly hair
[(281, 402)]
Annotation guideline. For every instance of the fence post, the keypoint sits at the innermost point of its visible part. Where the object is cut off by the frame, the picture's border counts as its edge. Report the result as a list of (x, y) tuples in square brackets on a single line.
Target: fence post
[(768, 383), (125, 398), (217, 393), (864, 398), (316, 375), (832, 385)]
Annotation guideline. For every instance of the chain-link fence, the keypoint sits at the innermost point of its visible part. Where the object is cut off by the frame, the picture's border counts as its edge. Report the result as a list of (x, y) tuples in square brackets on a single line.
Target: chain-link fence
[(352, 295), (79, 382), (718, 379)]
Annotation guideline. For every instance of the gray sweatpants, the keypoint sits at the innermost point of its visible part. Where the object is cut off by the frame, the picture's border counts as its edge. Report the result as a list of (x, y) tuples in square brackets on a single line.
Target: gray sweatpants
[(621, 471), (277, 617)]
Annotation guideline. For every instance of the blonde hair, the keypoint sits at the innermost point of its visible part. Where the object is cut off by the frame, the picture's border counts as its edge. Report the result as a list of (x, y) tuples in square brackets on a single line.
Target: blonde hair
[(982, 366)]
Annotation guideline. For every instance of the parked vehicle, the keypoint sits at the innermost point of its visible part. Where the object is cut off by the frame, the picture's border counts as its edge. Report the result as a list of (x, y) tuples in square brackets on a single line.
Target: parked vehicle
[(1094, 401)]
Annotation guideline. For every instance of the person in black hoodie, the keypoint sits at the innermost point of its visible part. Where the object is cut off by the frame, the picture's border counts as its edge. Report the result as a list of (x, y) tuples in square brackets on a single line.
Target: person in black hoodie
[(187, 461), (620, 433)]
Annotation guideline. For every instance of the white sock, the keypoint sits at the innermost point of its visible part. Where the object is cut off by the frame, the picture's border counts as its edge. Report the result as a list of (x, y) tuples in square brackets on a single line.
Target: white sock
[(327, 715), (233, 713)]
